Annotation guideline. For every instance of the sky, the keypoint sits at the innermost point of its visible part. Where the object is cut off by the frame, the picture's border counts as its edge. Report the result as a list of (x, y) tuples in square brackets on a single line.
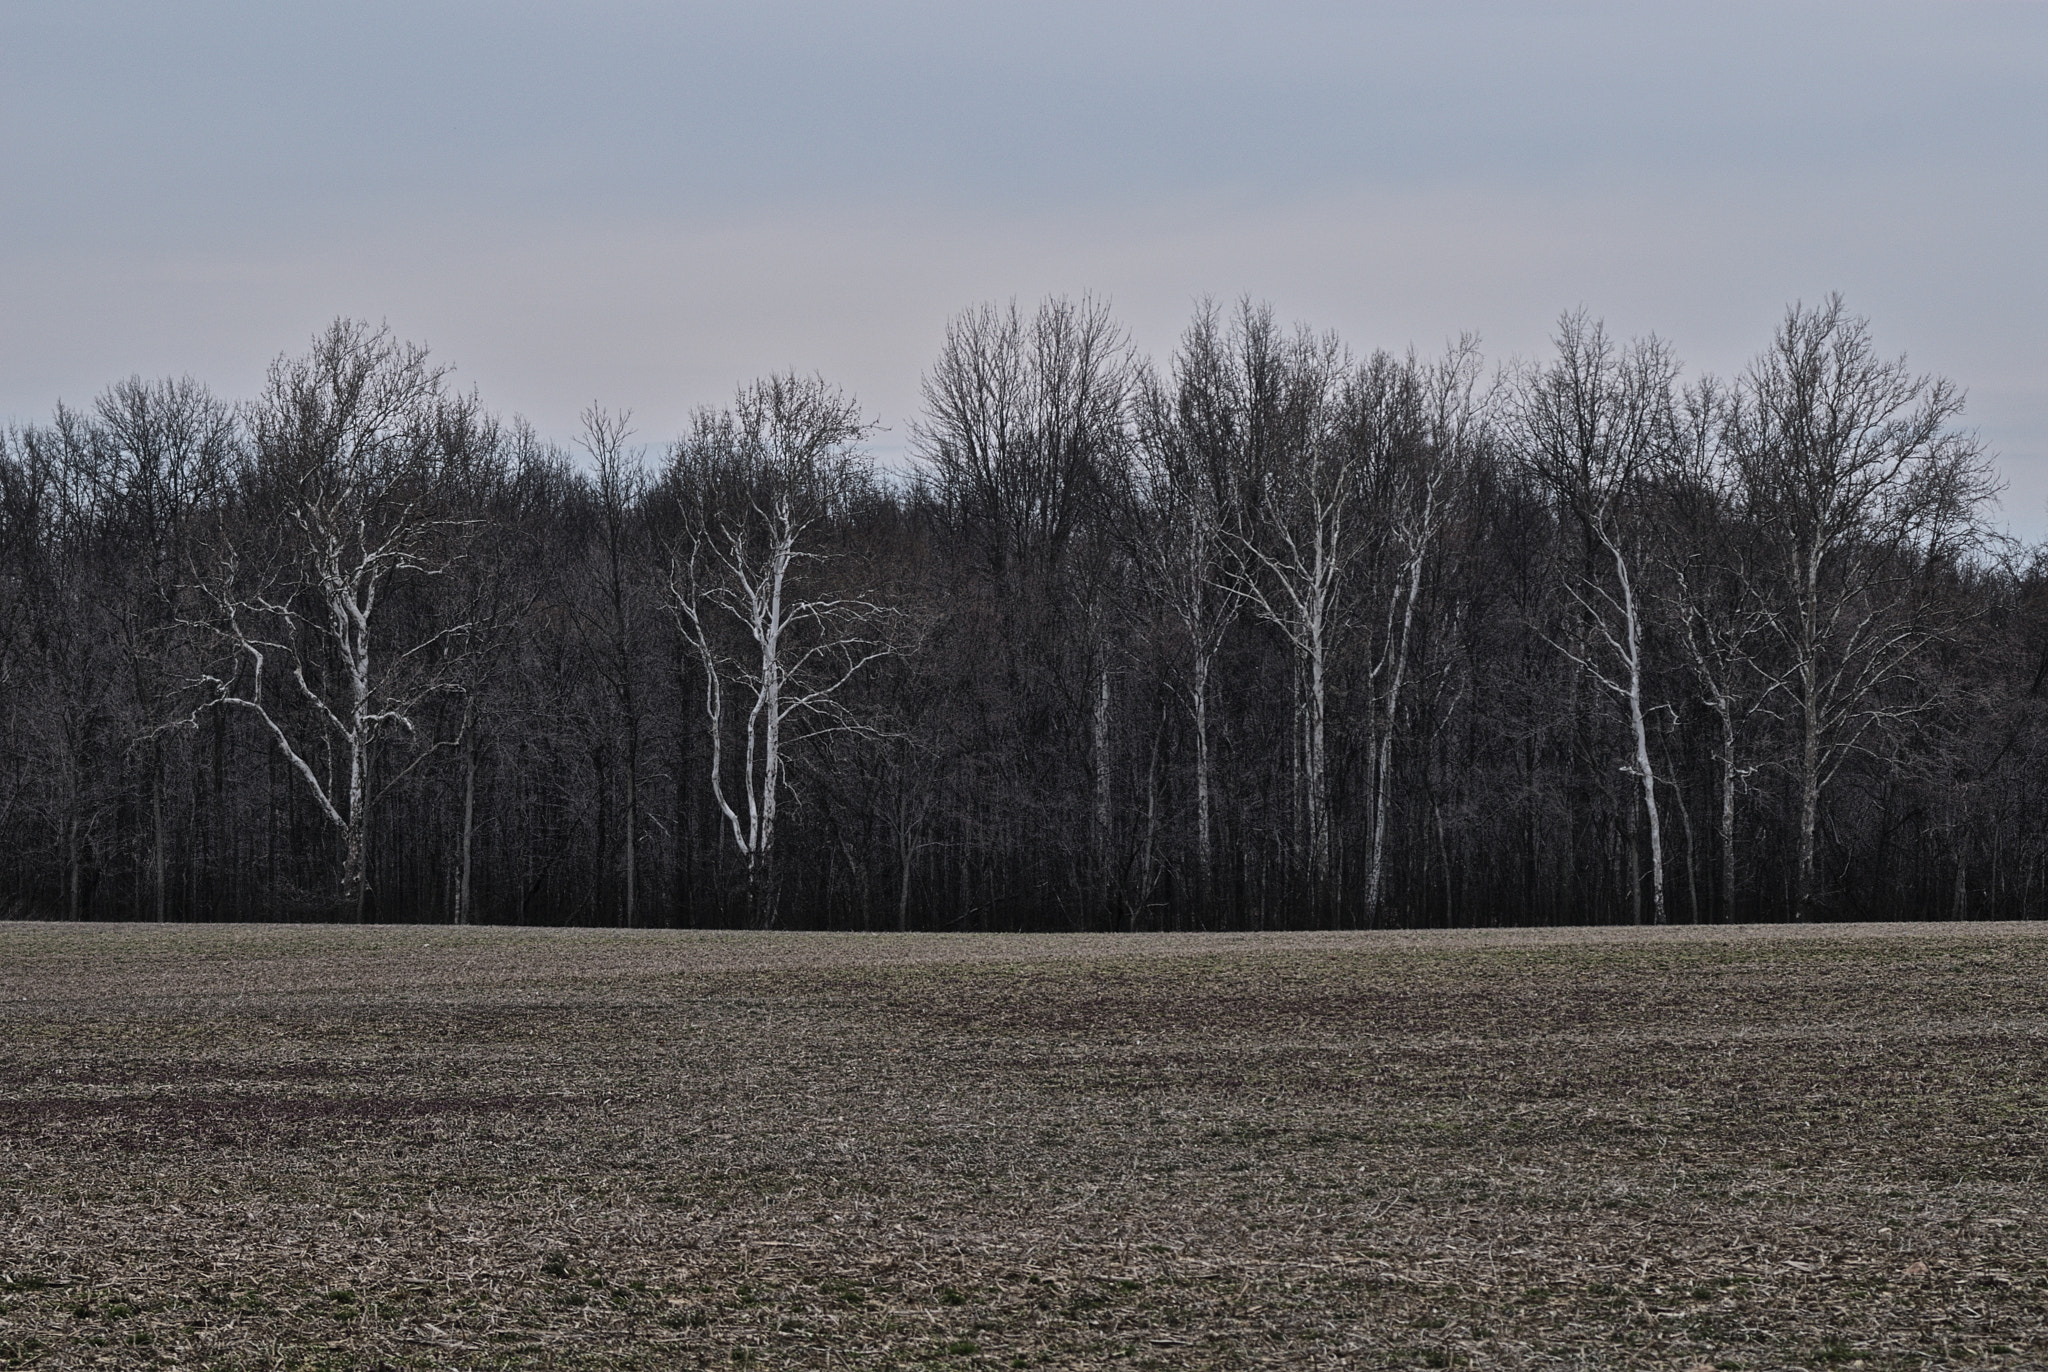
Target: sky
[(644, 205)]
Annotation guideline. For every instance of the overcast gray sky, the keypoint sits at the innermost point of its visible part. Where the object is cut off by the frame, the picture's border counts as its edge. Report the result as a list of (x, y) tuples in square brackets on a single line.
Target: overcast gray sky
[(644, 204)]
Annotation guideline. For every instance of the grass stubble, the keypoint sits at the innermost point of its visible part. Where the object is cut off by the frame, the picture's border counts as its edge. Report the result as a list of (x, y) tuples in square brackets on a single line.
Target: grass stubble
[(257, 1147)]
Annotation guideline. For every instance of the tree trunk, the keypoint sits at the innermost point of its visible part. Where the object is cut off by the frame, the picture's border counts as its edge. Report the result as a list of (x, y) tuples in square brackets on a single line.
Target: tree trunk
[(1318, 786), (156, 818), (1727, 811), (355, 864), (354, 887), (1692, 885), (761, 863), (632, 823), (1649, 781), (462, 886), (1642, 737), (906, 852), (1375, 875), (1102, 860), (221, 885), (71, 864), (1635, 871), (1384, 762), (1204, 858), (1296, 855), (355, 883), (1145, 870), (1804, 893), (682, 841)]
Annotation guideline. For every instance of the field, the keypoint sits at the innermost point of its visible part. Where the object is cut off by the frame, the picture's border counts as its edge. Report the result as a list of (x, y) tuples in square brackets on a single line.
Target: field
[(268, 1147)]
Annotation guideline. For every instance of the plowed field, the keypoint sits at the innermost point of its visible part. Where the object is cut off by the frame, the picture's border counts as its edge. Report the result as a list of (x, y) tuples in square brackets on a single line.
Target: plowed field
[(263, 1147)]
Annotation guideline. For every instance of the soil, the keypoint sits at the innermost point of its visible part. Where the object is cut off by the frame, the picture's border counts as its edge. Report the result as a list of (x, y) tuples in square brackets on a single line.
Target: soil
[(258, 1147)]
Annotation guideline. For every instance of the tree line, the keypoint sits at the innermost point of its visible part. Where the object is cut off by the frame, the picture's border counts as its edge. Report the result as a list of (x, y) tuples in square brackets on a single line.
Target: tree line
[(1269, 634)]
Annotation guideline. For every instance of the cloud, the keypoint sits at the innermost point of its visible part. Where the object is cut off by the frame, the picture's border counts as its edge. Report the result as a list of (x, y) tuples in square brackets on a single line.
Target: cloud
[(645, 204)]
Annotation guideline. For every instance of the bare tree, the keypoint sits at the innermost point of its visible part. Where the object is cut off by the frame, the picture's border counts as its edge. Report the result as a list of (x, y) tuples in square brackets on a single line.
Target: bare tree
[(1416, 461), (620, 488), (150, 460), (59, 662), (1705, 582), (1020, 420), (1198, 433), (1590, 427), (349, 442), (1025, 430), (1857, 482), (1279, 635), (1294, 558), (496, 587), (778, 640)]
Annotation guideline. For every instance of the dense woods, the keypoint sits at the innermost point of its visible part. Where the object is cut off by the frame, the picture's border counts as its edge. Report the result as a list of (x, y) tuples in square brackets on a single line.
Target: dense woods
[(1270, 633)]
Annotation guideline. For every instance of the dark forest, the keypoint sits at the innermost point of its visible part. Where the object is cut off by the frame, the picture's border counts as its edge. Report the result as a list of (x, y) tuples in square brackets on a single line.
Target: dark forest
[(1271, 633)]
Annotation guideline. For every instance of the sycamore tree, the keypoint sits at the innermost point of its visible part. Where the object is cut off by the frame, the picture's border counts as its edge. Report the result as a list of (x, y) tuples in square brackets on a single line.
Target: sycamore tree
[(1292, 560), (762, 601), (1421, 432), (349, 449), (1862, 488), (1592, 427)]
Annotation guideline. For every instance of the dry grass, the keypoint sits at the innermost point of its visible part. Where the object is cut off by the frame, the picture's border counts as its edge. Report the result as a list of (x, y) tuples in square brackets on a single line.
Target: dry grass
[(277, 1147)]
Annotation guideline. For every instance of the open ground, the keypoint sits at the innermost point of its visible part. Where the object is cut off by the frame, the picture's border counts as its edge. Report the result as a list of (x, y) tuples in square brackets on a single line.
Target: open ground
[(405, 1147)]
